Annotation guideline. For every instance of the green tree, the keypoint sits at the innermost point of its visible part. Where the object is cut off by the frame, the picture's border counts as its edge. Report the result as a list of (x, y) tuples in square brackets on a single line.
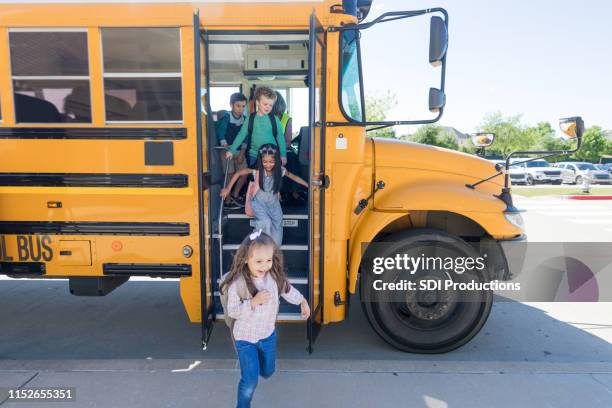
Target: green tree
[(594, 144), (543, 137), (540, 134), (468, 149), (377, 108), (448, 140), (509, 133), (435, 136)]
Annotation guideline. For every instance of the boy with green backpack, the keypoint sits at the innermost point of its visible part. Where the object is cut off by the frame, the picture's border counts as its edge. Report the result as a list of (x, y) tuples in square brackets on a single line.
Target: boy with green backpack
[(261, 128)]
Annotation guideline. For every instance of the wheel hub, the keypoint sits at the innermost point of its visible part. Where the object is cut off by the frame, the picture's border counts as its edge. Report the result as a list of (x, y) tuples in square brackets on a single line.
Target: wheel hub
[(430, 304)]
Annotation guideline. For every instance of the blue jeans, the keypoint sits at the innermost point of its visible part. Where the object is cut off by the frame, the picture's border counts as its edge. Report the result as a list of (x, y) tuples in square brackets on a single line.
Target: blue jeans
[(255, 359)]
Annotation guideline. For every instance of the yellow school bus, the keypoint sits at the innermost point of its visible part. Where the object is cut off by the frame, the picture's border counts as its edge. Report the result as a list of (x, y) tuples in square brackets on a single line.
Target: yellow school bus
[(110, 169)]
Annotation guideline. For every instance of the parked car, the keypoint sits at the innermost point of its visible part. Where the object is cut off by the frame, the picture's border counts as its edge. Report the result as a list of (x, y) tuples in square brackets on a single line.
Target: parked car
[(517, 173), (575, 172), (539, 171), (605, 167)]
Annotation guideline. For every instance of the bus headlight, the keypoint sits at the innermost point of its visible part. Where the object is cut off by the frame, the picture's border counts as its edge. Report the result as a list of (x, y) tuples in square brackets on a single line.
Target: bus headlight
[(515, 218)]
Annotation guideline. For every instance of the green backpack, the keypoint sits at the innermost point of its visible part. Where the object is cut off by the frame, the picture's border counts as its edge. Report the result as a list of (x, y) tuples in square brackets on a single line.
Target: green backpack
[(243, 293)]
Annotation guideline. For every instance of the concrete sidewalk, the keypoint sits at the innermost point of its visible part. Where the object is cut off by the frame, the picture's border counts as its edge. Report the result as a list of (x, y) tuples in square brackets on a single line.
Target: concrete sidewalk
[(294, 385)]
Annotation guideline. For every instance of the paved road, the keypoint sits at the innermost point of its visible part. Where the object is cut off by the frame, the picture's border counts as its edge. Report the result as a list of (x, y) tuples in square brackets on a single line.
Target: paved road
[(136, 348), (551, 219)]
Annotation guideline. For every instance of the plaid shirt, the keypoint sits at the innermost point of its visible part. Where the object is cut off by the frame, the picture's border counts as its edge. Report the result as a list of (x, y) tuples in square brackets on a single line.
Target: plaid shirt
[(254, 325)]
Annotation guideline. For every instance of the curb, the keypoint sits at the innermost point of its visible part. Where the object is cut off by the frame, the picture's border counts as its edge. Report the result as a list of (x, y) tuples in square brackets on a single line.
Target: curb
[(589, 197), (308, 366)]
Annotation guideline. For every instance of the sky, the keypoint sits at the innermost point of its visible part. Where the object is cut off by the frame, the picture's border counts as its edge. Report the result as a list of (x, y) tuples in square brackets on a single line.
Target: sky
[(541, 59)]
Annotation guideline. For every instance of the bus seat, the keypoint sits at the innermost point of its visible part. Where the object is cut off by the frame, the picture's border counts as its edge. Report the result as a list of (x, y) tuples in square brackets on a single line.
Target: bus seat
[(77, 105), (117, 108), (139, 111), (304, 151), (155, 110), (217, 172), (173, 111), (34, 110)]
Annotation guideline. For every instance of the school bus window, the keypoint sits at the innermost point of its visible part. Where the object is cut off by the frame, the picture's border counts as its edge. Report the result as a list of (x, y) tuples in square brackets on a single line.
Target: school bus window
[(351, 85), (142, 74), (50, 73)]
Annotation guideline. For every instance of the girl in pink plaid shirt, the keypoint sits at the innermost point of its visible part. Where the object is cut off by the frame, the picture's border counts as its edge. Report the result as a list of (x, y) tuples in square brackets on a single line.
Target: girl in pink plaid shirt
[(254, 284)]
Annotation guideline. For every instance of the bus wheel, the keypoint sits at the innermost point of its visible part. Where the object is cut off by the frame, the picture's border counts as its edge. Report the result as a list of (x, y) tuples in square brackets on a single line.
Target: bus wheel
[(424, 321)]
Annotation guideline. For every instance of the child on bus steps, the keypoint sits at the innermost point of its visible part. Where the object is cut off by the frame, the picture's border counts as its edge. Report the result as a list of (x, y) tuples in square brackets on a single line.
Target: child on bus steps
[(261, 127), (254, 284), (265, 201)]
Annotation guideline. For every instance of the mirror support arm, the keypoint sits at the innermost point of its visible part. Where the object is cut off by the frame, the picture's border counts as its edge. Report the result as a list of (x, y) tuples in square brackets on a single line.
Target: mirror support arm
[(377, 128), (546, 153), (390, 16), (386, 123)]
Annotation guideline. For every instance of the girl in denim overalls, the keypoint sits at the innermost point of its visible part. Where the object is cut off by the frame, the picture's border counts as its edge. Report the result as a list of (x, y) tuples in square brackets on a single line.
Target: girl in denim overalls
[(265, 203)]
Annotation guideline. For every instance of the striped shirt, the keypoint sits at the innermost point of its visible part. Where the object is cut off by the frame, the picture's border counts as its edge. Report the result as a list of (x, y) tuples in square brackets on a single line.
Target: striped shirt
[(254, 325)]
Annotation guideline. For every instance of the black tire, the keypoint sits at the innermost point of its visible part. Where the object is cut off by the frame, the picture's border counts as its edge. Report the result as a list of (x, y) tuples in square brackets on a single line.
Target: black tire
[(557, 183), (530, 181), (425, 326), (578, 180)]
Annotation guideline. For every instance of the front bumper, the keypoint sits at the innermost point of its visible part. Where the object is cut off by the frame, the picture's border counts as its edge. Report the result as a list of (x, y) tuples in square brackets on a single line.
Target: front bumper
[(518, 179), (514, 254), (546, 179)]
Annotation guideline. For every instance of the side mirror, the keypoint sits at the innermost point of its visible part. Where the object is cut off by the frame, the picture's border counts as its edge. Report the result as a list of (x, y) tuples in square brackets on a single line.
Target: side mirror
[(572, 128), (437, 100), (423, 60), (438, 41), (363, 9), (482, 139), (438, 44)]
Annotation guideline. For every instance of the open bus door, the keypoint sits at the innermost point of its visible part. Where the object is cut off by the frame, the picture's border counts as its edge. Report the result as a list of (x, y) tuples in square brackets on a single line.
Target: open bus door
[(206, 300), (318, 180)]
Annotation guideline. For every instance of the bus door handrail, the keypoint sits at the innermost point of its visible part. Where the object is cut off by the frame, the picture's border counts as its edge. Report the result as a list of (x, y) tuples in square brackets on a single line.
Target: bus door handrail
[(222, 150)]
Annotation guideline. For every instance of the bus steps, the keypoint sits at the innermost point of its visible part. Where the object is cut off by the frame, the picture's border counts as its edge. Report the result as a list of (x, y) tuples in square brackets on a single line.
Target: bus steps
[(236, 225)]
